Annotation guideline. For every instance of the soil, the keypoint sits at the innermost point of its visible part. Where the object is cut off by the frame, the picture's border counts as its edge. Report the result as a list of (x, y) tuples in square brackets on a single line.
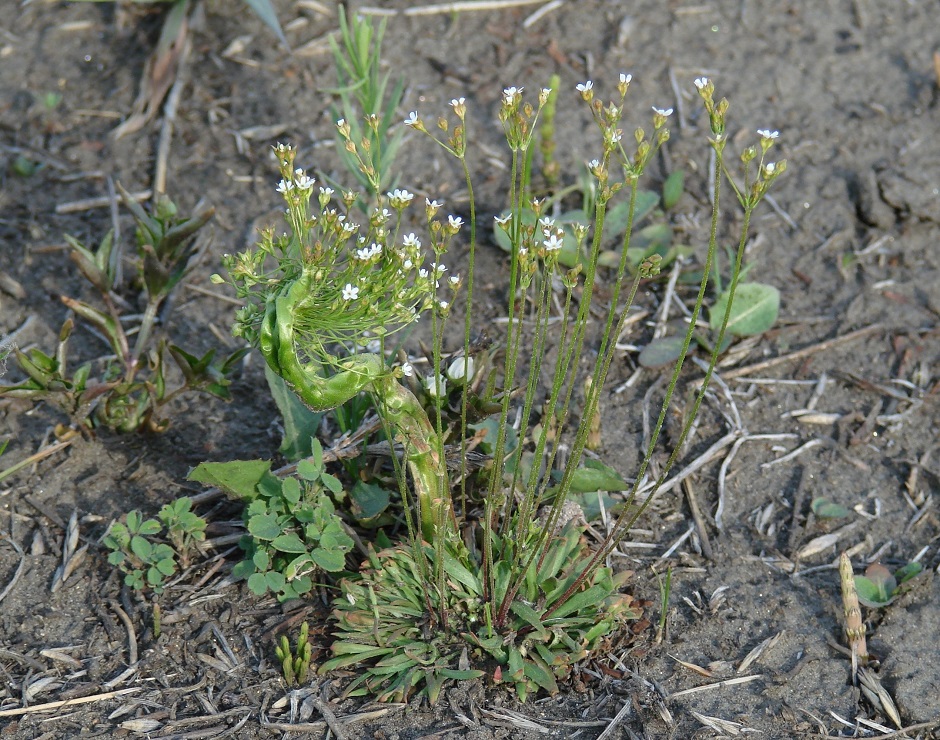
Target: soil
[(850, 242)]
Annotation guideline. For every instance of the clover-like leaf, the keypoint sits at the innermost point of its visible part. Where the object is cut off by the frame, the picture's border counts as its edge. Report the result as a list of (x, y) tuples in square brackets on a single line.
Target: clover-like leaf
[(264, 526)]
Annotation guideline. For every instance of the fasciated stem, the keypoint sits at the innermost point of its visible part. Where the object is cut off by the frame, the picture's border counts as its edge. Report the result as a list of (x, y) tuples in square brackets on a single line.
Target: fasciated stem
[(352, 375)]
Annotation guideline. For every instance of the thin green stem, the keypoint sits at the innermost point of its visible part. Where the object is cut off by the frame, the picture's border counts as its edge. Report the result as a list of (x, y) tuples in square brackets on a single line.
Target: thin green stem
[(626, 519), (464, 396)]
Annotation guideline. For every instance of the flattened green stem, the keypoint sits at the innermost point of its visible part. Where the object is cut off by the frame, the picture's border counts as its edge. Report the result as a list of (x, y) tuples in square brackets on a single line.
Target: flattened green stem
[(364, 372)]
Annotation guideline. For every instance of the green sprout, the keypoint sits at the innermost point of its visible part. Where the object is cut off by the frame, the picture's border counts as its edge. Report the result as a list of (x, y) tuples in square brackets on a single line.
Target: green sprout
[(132, 387), (295, 665), (365, 118), (879, 586)]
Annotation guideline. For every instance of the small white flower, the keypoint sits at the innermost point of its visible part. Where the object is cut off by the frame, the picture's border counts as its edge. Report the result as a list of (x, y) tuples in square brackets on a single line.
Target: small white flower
[(617, 136), (553, 243), (364, 254), (340, 123), (769, 168), (443, 305), (400, 196), (767, 134), (304, 182), (457, 102), (701, 83), (408, 264), (411, 241), (422, 273), (455, 222), (502, 221), (437, 386), (523, 251), (328, 192), (460, 368), (511, 93), (412, 119), (350, 228), (662, 111), (593, 164), (546, 223), (583, 87), (625, 79), (433, 203), (407, 370), (285, 186), (454, 279), (439, 269), (350, 292)]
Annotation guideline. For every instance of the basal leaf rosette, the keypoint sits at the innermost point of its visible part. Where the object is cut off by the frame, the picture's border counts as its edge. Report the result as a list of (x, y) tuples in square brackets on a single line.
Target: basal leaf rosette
[(407, 637)]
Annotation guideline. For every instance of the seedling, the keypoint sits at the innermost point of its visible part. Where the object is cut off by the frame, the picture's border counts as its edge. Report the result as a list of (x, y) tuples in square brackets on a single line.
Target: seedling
[(145, 563), (133, 385), (293, 530), (880, 587), (295, 665)]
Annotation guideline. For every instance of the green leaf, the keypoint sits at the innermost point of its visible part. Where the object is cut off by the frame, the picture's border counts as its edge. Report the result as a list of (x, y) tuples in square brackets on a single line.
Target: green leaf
[(309, 470), (332, 483), (538, 672), (591, 597), (275, 580), (238, 477), (244, 569), (264, 526), (460, 573), (148, 527), (754, 310), (116, 558), (530, 616), (265, 12), (288, 542), (908, 572), (877, 587), (258, 584), (661, 352), (300, 423), (167, 566), (595, 476), (330, 560), (261, 560), (141, 548), (290, 490), (823, 508), (672, 188), (368, 501)]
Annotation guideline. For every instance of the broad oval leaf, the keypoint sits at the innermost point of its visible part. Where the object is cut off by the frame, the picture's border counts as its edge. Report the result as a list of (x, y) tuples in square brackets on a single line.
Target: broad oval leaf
[(754, 310), (877, 587), (288, 542), (825, 509), (661, 352), (264, 526)]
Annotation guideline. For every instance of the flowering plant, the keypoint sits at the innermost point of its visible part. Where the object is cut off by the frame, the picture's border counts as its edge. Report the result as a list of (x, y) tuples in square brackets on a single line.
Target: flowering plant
[(515, 592)]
